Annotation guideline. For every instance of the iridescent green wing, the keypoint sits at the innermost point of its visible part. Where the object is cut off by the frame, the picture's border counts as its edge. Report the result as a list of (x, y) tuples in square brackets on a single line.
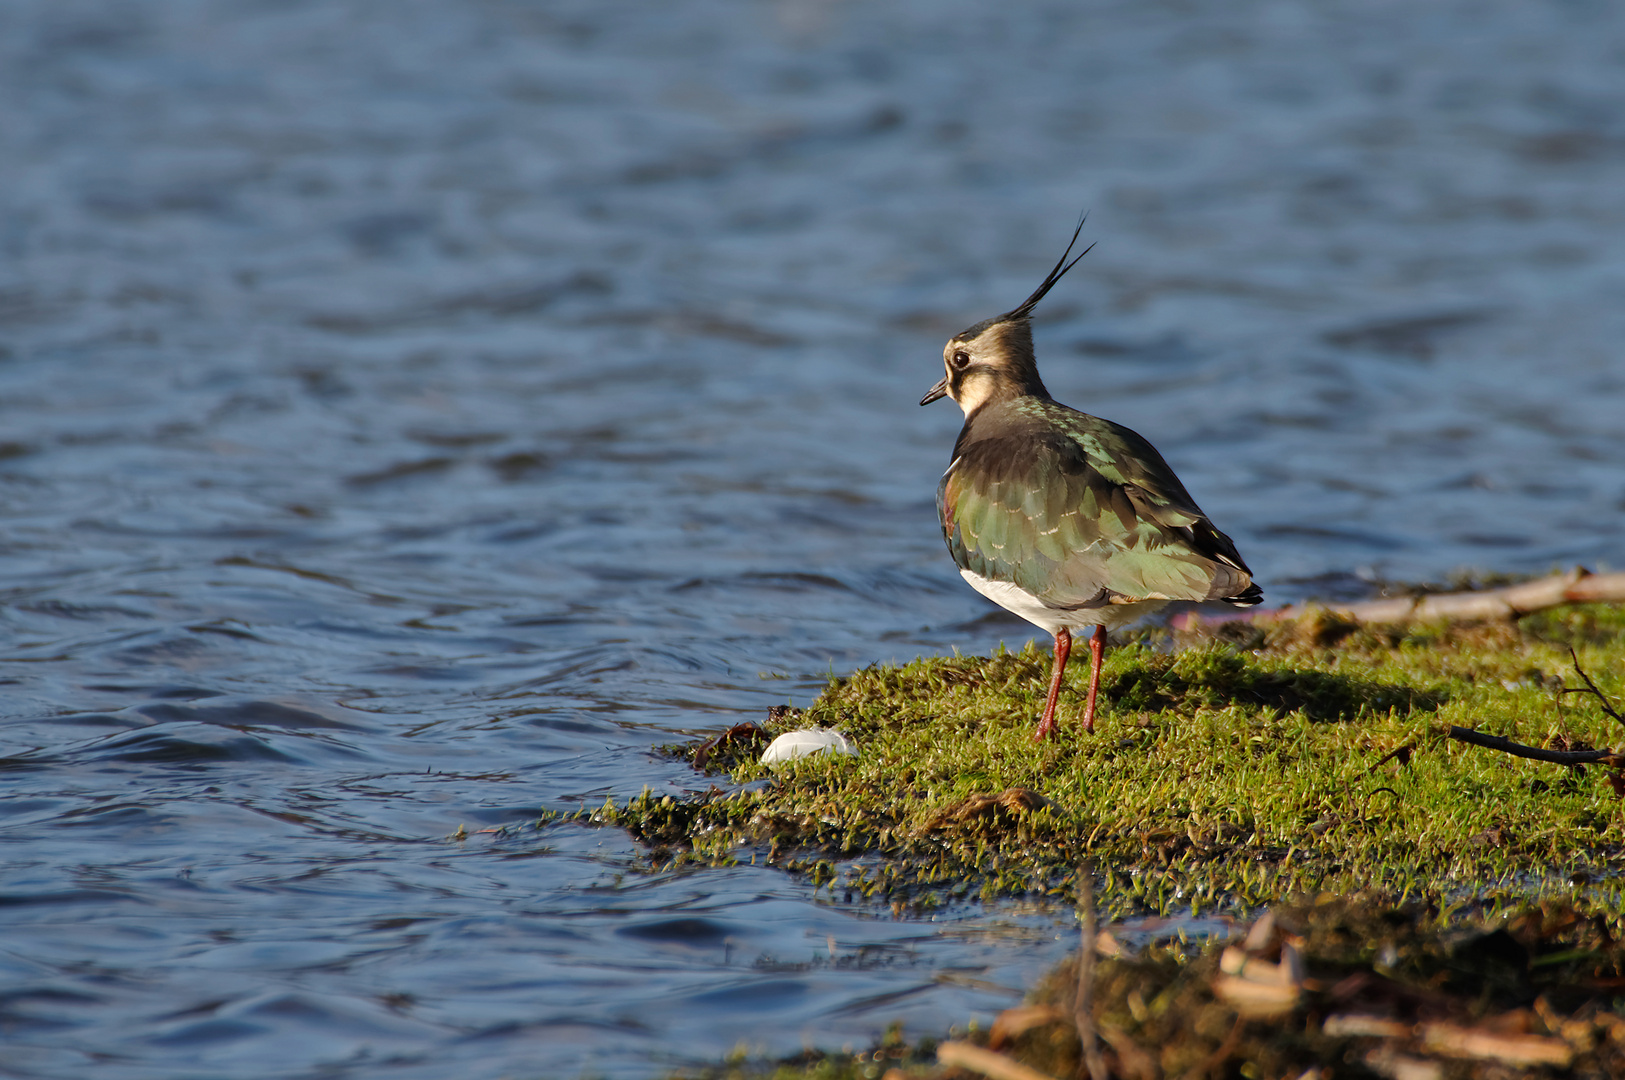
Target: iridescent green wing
[(1080, 512)]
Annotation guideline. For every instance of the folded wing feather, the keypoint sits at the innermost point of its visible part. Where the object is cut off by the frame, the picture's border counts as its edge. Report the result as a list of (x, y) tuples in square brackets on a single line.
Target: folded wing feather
[(1081, 522)]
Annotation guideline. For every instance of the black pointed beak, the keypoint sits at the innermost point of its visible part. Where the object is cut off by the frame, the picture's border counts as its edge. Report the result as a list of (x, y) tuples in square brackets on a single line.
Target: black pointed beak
[(937, 392)]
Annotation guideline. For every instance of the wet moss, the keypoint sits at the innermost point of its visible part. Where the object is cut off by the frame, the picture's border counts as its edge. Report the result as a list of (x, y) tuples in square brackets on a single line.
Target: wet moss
[(1218, 775), (1379, 988)]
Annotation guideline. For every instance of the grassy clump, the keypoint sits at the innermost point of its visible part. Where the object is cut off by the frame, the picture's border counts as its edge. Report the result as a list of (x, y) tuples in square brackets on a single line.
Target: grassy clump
[(1546, 975), (1543, 971), (1229, 772)]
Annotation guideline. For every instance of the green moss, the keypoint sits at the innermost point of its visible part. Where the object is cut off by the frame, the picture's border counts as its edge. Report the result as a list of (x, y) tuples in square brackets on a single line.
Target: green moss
[(1217, 774), (1593, 624)]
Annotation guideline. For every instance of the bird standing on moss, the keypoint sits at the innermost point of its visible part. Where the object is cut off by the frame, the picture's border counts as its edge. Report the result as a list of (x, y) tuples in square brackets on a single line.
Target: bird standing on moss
[(1063, 518)]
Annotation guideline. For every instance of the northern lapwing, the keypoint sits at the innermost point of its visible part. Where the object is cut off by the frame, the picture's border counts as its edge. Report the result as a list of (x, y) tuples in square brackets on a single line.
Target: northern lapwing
[(1063, 518)]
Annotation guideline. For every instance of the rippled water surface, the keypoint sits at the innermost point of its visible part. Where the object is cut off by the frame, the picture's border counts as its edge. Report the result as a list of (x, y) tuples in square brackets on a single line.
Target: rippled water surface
[(415, 413)]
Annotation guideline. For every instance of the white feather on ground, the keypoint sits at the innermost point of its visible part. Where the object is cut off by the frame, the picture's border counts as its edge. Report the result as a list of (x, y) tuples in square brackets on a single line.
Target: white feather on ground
[(800, 744)]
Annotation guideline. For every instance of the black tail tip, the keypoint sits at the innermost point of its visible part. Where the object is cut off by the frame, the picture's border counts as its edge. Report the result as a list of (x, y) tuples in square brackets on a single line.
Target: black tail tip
[(1249, 596)]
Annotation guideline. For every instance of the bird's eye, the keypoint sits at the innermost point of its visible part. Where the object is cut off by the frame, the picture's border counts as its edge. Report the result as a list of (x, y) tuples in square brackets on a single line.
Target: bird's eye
[(961, 358)]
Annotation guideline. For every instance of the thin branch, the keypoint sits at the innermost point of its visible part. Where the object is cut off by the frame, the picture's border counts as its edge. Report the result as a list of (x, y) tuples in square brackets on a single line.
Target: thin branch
[(1578, 586), (1574, 758), (1507, 746), (1590, 687), (1402, 752), (738, 732)]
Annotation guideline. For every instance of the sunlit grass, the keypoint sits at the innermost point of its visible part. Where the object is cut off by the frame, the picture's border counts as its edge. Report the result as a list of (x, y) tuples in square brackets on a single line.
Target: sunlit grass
[(1217, 775)]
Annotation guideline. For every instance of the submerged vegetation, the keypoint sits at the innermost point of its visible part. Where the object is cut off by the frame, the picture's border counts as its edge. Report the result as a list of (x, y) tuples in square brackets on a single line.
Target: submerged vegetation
[(1238, 767)]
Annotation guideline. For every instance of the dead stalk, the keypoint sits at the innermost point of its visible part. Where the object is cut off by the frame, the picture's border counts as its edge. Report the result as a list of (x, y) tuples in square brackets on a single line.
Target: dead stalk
[(1084, 1010)]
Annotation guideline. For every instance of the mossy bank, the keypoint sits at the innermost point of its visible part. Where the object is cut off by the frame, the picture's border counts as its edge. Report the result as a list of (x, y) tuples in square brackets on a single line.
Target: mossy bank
[(1231, 769), (1370, 990)]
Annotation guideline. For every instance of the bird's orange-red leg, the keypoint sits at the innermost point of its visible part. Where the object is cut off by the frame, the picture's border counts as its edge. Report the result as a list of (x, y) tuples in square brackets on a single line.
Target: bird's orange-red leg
[(1063, 649), (1097, 652)]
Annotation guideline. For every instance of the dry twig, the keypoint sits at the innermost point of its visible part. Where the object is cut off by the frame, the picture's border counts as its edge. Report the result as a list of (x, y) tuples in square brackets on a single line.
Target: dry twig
[(1578, 586), (1450, 1040), (1556, 757), (1402, 754), (738, 733), (969, 1056), (1590, 688)]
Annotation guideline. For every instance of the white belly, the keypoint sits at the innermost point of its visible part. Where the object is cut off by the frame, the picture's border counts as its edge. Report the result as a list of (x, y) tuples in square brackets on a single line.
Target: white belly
[(1018, 601)]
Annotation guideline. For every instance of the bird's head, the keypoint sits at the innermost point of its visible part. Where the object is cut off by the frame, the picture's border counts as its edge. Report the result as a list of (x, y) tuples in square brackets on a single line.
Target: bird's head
[(993, 360)]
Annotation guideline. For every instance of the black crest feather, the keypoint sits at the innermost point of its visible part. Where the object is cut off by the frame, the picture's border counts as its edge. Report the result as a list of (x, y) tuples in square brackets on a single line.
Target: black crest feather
[(1057, 272)]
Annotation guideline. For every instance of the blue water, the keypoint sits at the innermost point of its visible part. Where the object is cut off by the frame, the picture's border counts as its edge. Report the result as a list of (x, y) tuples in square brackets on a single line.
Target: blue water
[(413, 414)]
